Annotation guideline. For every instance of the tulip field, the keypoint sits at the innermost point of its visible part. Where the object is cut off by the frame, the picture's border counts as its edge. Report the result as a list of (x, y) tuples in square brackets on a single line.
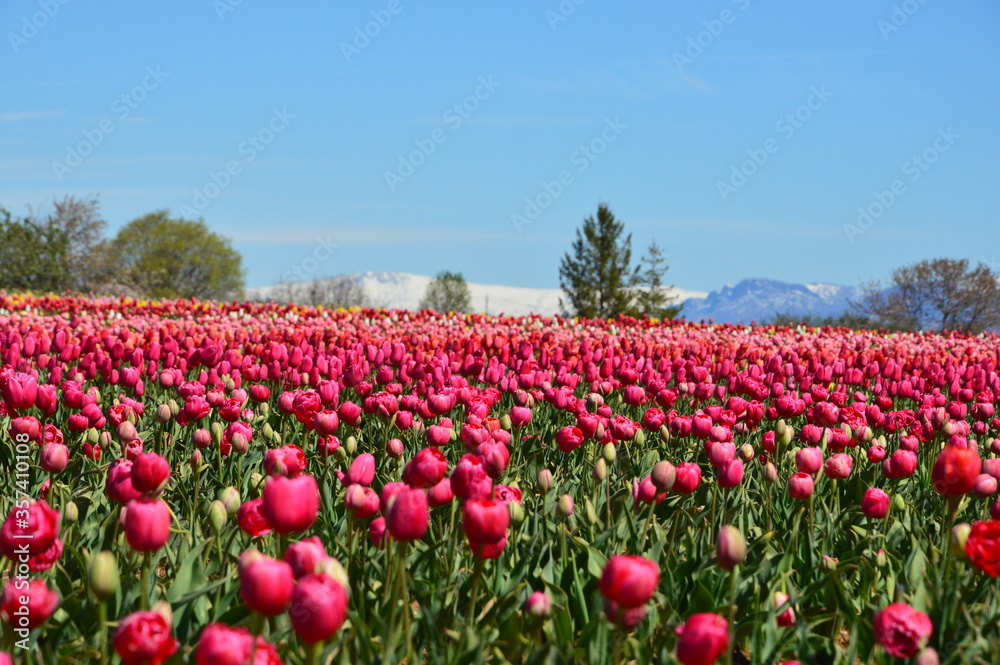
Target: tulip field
[(235, 483)]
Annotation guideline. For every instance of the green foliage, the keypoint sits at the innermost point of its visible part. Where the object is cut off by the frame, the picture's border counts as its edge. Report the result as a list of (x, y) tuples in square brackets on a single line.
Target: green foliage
[(447, 292), (32, 254), (177, 258)]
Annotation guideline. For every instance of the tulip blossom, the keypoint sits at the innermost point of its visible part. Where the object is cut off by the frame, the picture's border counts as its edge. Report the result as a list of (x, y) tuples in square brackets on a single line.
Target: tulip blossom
[(144, 638), (901, 630)]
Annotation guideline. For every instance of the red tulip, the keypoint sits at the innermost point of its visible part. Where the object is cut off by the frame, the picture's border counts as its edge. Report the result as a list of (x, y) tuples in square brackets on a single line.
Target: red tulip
[(955, 471), (147, 524), (809, 460), (875, 503), (485, 520), (800, 486), (119, 486), (27, 607), (362, 470), (35, 527), (223, 645), (569, 438), (687, 477), (149, 472), (629, 580), (787, 616), (290, 504), (408, 515), (288, 460), (901, 630), (144, 638), (703, 638), (982, 546), (427, 468), (440, 494), (265, 583), (469, 479), (251, 519), (838, 466), (305, 555), (319, 607)]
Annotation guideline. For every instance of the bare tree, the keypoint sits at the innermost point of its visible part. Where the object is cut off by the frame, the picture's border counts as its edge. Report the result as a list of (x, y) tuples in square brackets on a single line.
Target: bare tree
[(339, 291), (88, 262), (940, 293)]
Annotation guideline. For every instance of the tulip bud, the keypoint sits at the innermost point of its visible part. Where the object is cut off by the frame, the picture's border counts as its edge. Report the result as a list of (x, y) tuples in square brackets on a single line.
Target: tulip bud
[(505, 422), (566, 505), (256, 480), (544, 481), (664, 474), (340, 454), (770, 473), (93, 436), (217, 515), (640, 437), (230, 499), (538, 605), (350, 445), (664, 434), (928, 656), (175, 408), (609, 453), (588, 509), (783, 433), (264, 409), (898, 503), (103, 574), (332, 567), (829, 563), (267, 431), (394, 448), (730, 548), (594, 401), (70, 513), (194, 461), (163, 608), (217, 432), (746, 452), (516, 512), (959, 534), (881, 561), (163, 414), (600, 471)]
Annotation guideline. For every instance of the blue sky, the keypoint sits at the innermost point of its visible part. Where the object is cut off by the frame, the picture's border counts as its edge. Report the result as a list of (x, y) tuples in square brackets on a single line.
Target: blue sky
[(744, 136)]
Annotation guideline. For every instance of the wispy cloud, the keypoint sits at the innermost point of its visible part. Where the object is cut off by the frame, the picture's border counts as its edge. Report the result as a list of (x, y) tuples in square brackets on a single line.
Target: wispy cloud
[(366, 235), (28, 115), (844, 54)]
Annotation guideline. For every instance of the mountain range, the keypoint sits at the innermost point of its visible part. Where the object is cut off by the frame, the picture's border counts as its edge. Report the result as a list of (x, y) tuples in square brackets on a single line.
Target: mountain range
[(753, 299)]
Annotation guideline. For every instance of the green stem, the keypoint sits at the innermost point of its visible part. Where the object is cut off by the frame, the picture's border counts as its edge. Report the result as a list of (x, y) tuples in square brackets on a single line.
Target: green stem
[(102, 613), (477, 574), (731, 610), (312, 653), (144, 582)]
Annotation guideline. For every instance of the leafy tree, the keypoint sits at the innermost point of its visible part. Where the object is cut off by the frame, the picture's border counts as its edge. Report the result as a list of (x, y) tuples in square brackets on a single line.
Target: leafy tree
[(597, 275), (939, 293), (32, 254), (652, 298), (178, 258), (447, 292)]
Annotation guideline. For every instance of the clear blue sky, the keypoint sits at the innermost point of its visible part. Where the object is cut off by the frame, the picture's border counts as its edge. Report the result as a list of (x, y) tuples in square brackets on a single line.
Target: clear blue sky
[(671, 119)]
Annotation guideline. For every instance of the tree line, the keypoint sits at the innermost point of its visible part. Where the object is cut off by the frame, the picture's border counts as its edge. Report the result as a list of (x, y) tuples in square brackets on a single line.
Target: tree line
[(154, 256)]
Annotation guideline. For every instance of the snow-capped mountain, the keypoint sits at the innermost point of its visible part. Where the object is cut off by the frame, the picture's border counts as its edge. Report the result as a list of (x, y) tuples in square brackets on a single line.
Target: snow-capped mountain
[(749, 300), (761, 299)]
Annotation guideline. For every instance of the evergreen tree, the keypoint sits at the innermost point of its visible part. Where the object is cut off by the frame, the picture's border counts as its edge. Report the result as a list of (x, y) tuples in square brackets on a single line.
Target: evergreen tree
[(597, 275)]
